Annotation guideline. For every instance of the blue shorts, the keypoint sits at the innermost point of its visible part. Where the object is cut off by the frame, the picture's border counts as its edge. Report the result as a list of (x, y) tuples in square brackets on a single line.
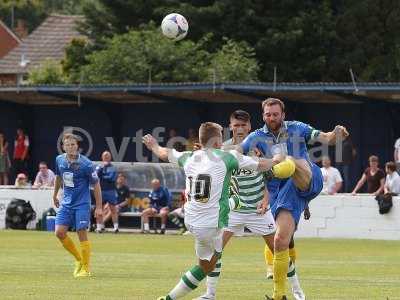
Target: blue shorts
[(78, 218), (110, 196), (290, 198)]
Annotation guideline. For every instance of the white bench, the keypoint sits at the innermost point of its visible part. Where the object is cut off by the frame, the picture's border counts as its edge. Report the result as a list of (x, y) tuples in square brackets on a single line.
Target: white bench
[(136, 214)]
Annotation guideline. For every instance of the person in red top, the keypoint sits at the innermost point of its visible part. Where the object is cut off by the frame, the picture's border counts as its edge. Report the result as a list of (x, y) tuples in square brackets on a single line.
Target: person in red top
[(21, 147), (374, 176)]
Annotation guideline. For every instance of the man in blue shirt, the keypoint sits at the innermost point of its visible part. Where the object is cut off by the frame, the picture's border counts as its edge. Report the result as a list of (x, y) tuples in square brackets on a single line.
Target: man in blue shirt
[(108, 175), (288, 197), (160, 200), (76, 173)]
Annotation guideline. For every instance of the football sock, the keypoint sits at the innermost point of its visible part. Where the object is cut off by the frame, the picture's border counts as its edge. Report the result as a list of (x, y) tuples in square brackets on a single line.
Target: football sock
[(176, 221), (268, 256), (189, 281), (69, 245), (212, 278), (99, 226), (284, 169), (85, 249), (146, 226), (162, 226), (292, 254), (281, 266), (116, 225)]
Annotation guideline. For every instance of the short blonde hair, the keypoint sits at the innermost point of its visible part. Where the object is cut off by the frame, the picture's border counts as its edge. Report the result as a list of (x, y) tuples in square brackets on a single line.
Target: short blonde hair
[(70, 136), (209, 130), (273, 101)]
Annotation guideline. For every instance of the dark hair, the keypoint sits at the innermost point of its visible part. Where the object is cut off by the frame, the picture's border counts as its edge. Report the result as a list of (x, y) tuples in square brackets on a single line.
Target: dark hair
[(121, 175), (273, 101), (43, 163), (240, 115), (391, 166), (373, 158)]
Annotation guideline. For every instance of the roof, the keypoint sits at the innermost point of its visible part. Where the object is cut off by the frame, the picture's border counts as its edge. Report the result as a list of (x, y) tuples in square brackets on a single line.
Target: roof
[(10, 32), (48, 41), (189, 92)]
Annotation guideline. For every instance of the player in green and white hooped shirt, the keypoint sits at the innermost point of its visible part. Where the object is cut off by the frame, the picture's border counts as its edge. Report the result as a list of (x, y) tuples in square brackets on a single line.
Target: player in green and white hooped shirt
[(249, 187), (208, 172)]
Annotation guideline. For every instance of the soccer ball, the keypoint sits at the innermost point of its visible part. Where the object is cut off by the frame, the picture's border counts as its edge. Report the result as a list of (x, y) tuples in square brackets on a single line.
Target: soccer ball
[(174, 26)]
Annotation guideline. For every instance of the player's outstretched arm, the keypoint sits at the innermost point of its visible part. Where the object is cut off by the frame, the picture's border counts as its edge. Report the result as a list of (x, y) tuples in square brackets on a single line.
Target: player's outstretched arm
[(330, 137), (152, 144)]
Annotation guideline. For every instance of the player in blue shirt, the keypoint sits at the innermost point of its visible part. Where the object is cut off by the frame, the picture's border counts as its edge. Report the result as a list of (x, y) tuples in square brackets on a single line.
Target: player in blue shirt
[(108, 175), (75, 173), (160, 200), (288, 197)]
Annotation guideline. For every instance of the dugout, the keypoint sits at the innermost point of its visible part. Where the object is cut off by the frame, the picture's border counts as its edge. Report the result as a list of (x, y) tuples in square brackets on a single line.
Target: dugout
[(371, 111)]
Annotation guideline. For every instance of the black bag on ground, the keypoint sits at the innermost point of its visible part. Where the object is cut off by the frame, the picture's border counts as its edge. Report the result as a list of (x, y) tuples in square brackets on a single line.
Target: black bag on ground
[(19, 213), (385, 203)]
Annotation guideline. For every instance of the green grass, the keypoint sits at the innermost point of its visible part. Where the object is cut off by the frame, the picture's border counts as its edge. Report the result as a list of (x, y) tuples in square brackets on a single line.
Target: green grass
[(33, 265)]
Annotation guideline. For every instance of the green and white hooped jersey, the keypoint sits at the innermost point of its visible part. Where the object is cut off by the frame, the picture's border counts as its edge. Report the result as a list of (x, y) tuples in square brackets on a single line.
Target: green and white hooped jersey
[(249, 186), (208, 175)]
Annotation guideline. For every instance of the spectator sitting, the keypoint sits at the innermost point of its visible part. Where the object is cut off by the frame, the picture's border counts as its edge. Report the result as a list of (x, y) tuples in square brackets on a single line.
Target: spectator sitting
[(374, 177), (332, 178), (177, 216), (392, 183), (21, 147), (45, 177), (4, 160), (160, 199), (192, 139), (21, 181), (123, 198)]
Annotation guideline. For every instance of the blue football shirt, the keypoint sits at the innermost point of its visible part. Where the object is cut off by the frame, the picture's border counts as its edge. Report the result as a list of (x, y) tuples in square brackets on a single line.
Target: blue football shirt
[(77, 176)]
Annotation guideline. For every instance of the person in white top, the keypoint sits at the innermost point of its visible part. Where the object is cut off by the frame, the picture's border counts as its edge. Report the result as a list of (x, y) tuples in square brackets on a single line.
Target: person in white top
[(396, 155), (208, 172), (392, 183), (45, 177), (332, 179)]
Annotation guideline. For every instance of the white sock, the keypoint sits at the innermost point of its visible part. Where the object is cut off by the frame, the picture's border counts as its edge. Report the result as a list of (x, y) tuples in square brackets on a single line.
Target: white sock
[(99, 226), (294, 282), (162, 226), (116, 226), (212, 279), (146, 226)]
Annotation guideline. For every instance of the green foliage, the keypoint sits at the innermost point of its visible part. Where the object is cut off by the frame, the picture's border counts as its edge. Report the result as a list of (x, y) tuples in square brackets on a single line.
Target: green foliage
[(138, 55), (50, 72), (75, 58)]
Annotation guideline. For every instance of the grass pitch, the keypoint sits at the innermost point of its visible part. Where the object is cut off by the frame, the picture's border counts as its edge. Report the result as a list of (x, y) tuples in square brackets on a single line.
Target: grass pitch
[(33, 265)]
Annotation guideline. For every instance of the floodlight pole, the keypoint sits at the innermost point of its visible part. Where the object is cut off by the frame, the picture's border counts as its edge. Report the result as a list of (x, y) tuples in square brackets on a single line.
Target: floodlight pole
[(353, 79), (274, 84)]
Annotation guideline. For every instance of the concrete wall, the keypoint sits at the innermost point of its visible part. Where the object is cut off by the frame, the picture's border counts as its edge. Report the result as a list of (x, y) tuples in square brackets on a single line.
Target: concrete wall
[(346, 216)]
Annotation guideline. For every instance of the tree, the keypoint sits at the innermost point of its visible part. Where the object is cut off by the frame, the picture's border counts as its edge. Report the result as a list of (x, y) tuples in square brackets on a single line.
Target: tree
[(49, 72), (75, 58), (138, 55)]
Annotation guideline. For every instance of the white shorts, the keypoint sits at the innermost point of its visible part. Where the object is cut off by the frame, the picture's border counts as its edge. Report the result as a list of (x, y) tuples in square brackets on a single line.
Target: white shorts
[(207, 241), (256, 223)]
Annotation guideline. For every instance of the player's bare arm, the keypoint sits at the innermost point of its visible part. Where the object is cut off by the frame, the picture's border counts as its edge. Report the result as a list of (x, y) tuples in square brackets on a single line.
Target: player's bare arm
[(57, 186), (99, 201), (331, 136), (152, 144)]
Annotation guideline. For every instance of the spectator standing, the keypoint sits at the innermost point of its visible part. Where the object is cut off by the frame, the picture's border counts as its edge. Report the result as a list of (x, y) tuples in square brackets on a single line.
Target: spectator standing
[(45, 177), (392, 183), (4, 160), (397, 154), (107, 174), (374, 177), (175, 141), (192, 139), (332, 178), (160, 199), (349, 154), (21, 148)]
